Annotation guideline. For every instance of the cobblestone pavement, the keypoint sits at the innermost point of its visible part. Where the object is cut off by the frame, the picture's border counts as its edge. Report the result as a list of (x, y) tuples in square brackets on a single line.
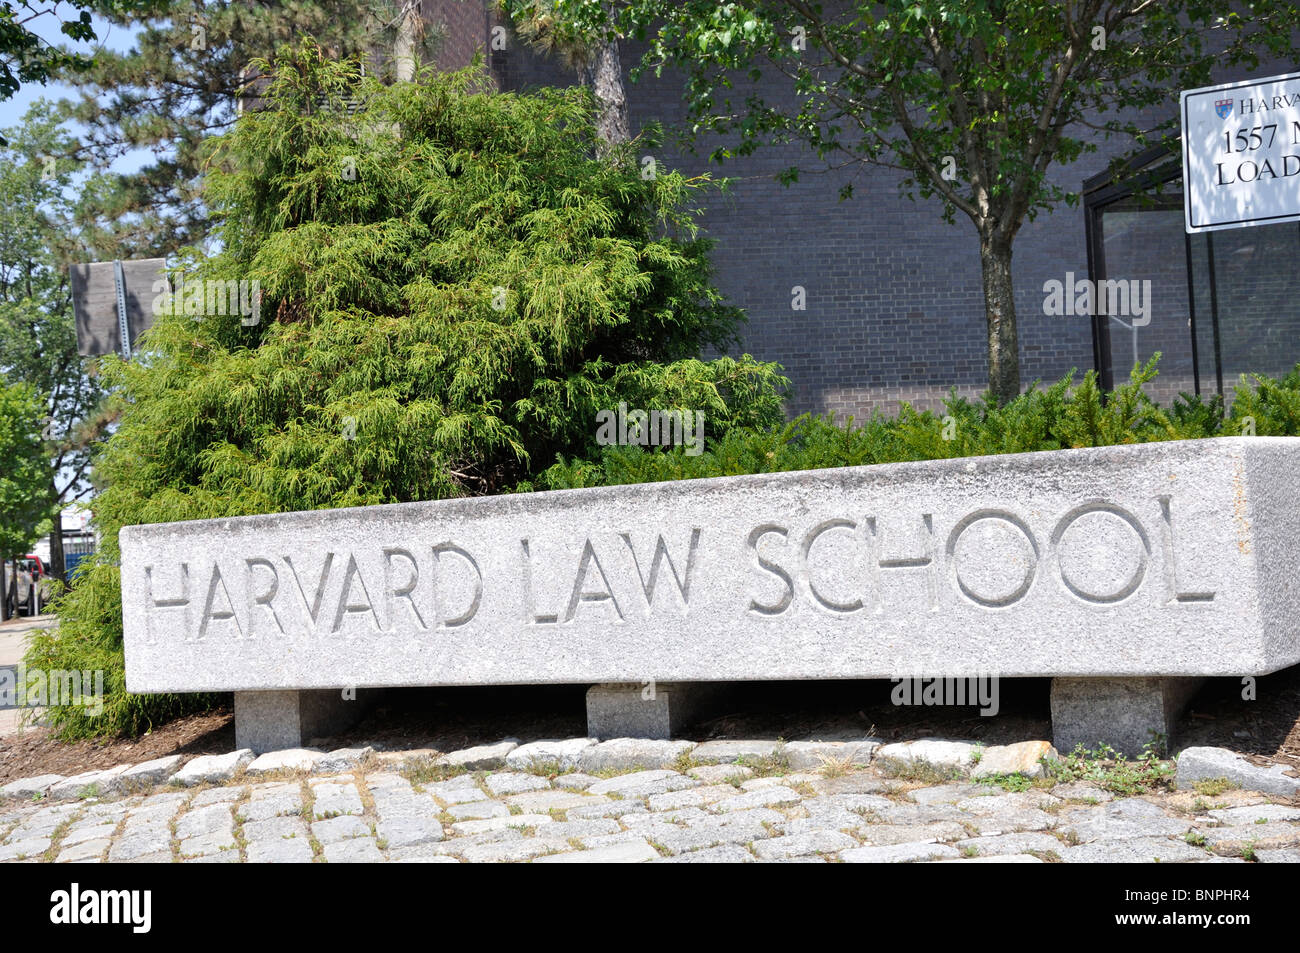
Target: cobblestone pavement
[(407, 807)]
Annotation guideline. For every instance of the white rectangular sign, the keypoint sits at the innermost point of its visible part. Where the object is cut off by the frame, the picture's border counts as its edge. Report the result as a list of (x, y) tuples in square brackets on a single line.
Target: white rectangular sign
[(1241, 154)]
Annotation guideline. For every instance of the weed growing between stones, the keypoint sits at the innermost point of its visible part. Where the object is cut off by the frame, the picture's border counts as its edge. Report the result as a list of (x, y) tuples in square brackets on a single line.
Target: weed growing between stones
[(1115, 772), (1213, 787), (922, 772), (426, 770), (769, 765)]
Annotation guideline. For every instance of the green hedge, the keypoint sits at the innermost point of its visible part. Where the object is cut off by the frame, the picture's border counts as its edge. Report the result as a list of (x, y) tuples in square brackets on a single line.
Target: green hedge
[(1058, 417)]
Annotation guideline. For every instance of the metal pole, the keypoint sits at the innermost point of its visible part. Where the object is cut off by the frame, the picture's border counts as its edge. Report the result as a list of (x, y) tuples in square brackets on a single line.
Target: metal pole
[(1191, 315), (123, 326), (1214, 312)]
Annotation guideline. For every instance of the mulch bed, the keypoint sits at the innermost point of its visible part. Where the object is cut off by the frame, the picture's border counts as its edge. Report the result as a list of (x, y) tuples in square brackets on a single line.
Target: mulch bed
[(32, 752), (1267, 730)]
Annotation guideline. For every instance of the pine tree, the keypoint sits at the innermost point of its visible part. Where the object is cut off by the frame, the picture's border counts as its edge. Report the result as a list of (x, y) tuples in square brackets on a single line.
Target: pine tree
[(181, 84)]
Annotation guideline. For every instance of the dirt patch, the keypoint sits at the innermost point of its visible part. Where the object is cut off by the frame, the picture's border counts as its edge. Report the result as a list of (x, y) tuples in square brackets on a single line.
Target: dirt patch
[(1266, 729), (32, 752)]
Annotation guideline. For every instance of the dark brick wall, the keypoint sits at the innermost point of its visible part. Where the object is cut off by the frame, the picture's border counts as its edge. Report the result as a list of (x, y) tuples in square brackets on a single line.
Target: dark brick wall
[(464, 26), (894, 304)]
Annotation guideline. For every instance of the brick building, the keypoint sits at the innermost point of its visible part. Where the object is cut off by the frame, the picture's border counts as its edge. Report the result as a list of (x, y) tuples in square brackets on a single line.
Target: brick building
[(894, 307)]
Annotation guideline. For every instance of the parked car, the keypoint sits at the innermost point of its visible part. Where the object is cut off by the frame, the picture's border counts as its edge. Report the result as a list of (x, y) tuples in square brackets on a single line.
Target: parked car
[(35, 566), (27, 591)]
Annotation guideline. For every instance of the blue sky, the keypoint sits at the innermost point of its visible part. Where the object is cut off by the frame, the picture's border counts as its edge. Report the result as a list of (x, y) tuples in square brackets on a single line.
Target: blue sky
[(46, 26)]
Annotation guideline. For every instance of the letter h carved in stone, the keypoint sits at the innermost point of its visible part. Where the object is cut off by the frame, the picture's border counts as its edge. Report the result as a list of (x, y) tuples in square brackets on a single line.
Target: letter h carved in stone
[(181, 602)]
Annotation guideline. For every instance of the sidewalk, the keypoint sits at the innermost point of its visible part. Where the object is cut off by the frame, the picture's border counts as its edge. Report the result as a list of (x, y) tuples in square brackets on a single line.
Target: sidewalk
[(13, 644), (631, 801)]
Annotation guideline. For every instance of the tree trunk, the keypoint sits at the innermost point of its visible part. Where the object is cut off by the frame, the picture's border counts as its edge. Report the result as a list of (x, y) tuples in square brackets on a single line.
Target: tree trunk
[(4, 593), (13, 586), (604, 74), (404, 57), (1000, 318), (57, 564)]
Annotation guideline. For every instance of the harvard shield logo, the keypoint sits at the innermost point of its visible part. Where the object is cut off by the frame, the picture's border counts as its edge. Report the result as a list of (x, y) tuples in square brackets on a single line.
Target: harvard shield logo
[(1223, 107)]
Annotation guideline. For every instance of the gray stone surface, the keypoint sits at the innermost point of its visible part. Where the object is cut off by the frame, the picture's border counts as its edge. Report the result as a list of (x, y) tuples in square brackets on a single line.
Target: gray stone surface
[(341, 759), (212, 768), (652, 710), (1082, 791), (400, 830), (1288, 856), (626, 754), (295, 850), (643, 783), (1132, 850), (477, 810), (957, 755), (1024, 758), (279, 720), (898, 853), (964, 564), (883, 835), (1208, 764), (725, 752), (1238, 840), (1120, 820), (151, 772), (632, 852), (538, 802), (213, 819), (343, 827), (481, 757), (855, 815), (205, 844), (26, 847), (271, 800), (798, 845), (575, 781), (217, 796), (361, 850), (276, 828), (1125, 713), (1233, 816), (515, 782), (490, 824), (26, 788), (717, 773), (812, 755), (567, 754), (997, 859), (289, 759), (1022, 843), (83, 851), (333, 799), (776, 796), (722, 854), (74, 786)]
